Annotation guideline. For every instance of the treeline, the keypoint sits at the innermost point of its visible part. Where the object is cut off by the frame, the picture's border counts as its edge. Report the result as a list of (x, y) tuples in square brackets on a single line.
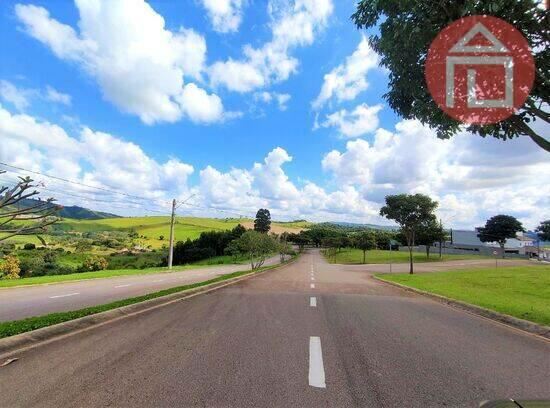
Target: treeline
[(339, 237), (208, 245), (334, 238)]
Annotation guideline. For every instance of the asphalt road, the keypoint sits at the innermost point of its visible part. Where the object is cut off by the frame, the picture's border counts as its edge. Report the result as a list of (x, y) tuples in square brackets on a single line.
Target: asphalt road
[(307, 335), (25, 301)]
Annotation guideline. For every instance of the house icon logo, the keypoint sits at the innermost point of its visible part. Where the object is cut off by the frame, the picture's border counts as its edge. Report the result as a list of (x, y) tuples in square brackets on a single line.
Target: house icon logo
[(479, 70)]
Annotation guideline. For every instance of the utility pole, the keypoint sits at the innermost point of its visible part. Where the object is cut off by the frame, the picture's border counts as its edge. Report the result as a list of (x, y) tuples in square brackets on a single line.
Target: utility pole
[(172, 220)]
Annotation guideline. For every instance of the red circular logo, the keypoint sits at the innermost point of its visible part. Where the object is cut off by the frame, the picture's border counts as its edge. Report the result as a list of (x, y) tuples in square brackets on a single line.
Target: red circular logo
[(480, 69)]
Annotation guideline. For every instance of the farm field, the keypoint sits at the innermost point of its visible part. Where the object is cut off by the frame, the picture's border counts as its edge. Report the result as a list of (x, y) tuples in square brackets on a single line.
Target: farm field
[(152, 228), (520, 291), (355, 256)]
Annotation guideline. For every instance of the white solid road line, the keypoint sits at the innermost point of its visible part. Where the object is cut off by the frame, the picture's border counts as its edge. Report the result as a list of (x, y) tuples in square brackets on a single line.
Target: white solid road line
[(316, 368), (123, 286), (313, 301), (312, 286), (62, 296)]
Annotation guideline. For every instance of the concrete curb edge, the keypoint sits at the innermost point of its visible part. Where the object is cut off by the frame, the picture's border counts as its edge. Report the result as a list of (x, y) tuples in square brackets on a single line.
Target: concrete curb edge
[(524, 325), (30, 339)]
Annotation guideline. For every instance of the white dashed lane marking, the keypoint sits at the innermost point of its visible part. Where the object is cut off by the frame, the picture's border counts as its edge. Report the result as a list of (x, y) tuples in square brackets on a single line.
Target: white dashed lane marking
[(123, 286), (66, 295), (312, 286), (316, 368), (313, 301)]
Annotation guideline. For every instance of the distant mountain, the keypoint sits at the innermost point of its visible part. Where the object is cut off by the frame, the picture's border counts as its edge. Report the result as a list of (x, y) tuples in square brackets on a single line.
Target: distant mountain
[(353, 225), (73, 211)]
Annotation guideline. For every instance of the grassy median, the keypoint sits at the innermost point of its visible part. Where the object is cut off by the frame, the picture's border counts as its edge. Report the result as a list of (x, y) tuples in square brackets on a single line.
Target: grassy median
[(520, 291), (14, 327), (355, 256)]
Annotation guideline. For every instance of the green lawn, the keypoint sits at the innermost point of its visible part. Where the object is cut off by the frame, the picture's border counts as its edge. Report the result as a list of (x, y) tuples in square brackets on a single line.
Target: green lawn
[(355, 256), (520, 291), (93, 275)]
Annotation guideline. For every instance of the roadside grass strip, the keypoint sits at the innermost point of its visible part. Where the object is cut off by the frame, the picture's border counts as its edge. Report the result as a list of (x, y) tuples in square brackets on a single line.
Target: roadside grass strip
[(519, 291), (11, 328), (354, 256)]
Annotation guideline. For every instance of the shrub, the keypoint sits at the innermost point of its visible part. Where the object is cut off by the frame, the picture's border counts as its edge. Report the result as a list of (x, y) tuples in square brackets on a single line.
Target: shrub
[(10, 267), (28, 246), (32, 266), (95, 263)]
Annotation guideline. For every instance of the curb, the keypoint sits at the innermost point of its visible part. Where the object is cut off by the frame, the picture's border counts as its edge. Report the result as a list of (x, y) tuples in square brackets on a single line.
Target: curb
[(517, 323), (24, 341)]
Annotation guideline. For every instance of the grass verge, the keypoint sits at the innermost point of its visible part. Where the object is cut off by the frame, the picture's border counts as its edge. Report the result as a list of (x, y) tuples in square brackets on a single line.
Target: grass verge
[(14, 327), (519, 291), (377, 256)]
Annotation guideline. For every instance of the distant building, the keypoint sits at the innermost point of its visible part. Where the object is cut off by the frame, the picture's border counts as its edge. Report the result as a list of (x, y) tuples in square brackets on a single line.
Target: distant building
[(468, 240)]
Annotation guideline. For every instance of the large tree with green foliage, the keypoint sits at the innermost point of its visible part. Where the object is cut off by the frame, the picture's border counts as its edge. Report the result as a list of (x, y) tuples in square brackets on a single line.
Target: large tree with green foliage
[(411, 212), (543, 231), (262, 223), (406, 30), (499, 228)]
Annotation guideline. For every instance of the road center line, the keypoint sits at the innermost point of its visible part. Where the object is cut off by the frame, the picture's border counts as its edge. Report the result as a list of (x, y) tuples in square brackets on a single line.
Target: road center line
[(316, 368), (312, 278), (62, 296), (158, 280), (123, 286), (312, 286), (313, 301)]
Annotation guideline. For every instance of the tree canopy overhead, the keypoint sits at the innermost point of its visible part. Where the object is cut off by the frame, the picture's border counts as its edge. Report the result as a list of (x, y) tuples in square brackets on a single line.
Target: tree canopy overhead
[(406, 30)]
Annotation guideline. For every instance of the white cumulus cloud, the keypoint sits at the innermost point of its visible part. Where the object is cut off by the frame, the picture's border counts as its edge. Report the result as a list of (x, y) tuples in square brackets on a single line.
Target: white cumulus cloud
[(225, 15), (140, 66), (358, 122), (295, 24), (348, 79)]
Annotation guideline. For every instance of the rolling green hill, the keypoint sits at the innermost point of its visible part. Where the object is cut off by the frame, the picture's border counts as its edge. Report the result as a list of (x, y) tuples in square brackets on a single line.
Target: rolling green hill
[(151, 228), (73, 211)]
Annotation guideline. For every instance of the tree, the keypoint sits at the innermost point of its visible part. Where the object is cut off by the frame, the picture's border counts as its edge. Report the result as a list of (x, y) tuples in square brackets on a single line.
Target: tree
[(262, 223), (35, 217), (285, 249), (429, 234), (498, 229), (411, 212), (543, 231), (364, 241), (256, 246), (417, 23)]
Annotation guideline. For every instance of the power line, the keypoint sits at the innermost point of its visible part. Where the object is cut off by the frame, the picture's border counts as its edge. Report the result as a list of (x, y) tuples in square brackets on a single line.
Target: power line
[(76, 182), (21, 169), (111, 204)]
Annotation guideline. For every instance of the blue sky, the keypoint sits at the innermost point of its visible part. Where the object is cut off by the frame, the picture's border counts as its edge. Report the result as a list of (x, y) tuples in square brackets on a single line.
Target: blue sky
[(166, 99)]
